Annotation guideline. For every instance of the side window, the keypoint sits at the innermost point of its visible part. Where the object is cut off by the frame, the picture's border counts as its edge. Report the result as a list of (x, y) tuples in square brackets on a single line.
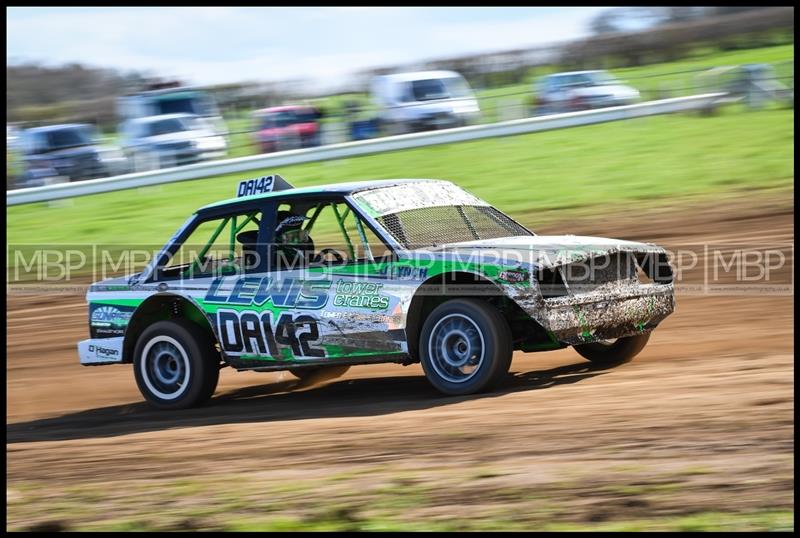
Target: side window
[(368, 247), (404, 93), (37, 142), (332, 245), (27, 143), (217, 247), (327, 233), (128, 131)]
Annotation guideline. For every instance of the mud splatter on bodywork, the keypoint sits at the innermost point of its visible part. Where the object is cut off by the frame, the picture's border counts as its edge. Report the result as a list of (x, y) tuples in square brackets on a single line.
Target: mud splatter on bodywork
[(597, 292)]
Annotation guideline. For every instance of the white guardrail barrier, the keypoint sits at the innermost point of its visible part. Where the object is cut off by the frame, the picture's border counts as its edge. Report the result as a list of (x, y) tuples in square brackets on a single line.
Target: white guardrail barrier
[(273, 161)]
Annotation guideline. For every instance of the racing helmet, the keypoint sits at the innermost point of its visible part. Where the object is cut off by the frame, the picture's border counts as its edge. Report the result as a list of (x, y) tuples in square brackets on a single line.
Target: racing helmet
[(293, 244)]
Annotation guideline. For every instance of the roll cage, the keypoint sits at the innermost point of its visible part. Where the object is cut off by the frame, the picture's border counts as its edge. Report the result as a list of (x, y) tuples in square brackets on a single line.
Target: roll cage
[(234, 217)]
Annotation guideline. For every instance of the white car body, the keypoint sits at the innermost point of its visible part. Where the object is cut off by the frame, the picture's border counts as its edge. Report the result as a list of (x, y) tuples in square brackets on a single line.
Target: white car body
[(581, 90), (196, 140)]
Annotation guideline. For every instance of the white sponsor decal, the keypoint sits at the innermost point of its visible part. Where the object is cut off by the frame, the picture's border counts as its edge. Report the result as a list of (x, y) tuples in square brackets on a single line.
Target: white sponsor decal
[(100, 350)]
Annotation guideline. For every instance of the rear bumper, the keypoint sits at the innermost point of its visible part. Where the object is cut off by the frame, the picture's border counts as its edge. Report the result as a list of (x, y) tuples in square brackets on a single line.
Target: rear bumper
[(582, 319), (100, 351)]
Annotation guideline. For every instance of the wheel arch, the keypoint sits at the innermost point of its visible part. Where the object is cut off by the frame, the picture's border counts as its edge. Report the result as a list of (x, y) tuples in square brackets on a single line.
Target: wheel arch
[(162, 306), (527, 333), (426, 298)]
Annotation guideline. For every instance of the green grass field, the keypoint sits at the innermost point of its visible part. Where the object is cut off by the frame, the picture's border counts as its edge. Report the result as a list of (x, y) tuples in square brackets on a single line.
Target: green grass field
[(236, 502), (536, 177)]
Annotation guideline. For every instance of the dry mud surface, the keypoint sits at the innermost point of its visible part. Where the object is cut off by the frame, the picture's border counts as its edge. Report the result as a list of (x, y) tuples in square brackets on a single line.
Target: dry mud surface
[(701, 421)]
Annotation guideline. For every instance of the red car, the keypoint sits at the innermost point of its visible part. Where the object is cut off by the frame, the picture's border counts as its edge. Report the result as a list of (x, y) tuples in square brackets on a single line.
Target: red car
[(287, 127)]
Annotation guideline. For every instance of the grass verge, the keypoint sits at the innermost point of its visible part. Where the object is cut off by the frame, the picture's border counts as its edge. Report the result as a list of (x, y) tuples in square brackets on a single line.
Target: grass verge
[(535, 177)]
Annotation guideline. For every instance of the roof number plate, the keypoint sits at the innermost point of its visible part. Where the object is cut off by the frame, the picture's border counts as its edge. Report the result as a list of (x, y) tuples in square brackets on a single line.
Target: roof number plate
[(260, 185)]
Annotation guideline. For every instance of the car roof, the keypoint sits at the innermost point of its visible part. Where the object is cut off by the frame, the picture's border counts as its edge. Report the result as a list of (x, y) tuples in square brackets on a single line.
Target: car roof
[(150, 119), (335, 188), (420, 75), (283, 108), (47, 128), (565, 73), (164, 91)]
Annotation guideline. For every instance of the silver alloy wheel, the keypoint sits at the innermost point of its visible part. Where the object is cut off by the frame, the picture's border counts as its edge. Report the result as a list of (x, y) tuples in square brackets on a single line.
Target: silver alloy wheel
[(456, 348), (165, 367)]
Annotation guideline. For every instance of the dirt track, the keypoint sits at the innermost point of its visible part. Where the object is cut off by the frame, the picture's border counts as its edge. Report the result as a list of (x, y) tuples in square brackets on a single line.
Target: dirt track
[(701, 421)]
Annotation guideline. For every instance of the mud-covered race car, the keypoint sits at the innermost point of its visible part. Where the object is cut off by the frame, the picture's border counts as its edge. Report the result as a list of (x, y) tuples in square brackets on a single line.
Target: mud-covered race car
[(403, 271)]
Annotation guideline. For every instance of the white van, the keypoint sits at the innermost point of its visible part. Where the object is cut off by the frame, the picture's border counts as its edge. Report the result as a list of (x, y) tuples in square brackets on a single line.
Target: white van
[(410, 102), (174, 100)]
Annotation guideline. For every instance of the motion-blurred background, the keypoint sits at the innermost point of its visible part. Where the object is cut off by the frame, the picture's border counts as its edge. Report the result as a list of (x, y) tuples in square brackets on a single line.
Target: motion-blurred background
[(697, 434)]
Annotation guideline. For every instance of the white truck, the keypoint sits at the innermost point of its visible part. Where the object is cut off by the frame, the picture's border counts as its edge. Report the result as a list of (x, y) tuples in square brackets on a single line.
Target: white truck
[(423, 100), (176, 100)]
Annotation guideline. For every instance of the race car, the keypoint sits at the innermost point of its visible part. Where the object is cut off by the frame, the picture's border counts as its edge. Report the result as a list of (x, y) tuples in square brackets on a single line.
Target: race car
[(403, 271)]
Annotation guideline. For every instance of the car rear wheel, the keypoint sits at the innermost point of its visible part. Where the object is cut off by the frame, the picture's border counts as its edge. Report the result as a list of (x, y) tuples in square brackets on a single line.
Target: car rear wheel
[(465, 347), (613, 351), (176, 365)]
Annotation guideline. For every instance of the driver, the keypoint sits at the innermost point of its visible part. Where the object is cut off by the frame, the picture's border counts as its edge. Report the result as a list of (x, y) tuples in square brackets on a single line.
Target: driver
[(293, 245)]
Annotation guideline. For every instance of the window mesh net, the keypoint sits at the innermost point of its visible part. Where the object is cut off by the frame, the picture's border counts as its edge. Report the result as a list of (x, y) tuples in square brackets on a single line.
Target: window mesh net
[(434, 226)]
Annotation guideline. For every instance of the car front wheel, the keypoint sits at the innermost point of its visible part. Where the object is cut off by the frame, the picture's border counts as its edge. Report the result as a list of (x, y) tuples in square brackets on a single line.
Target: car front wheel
[(614, 351), (465, 347), (175, 365)]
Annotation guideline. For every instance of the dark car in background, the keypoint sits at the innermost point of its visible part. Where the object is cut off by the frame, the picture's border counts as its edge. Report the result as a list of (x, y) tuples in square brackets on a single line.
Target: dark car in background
[(287, 127), (67, 152)]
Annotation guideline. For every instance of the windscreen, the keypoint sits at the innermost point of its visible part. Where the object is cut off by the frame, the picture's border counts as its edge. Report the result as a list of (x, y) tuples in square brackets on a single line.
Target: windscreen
[(184, 103), (439, 88), (177, 106), (286, 118), (431, 214), (305, 115), (457, 87), (429, 90), (68, 138), (166, 126), (601, 78)]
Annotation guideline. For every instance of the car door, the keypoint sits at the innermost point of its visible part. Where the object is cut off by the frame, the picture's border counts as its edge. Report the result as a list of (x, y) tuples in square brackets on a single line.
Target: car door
[(220, 268), (345, 309)]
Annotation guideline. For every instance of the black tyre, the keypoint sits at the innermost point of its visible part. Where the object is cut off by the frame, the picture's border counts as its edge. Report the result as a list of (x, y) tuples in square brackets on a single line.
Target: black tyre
[(465, 347), (326, 372), (176, 365), (613, 351)]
